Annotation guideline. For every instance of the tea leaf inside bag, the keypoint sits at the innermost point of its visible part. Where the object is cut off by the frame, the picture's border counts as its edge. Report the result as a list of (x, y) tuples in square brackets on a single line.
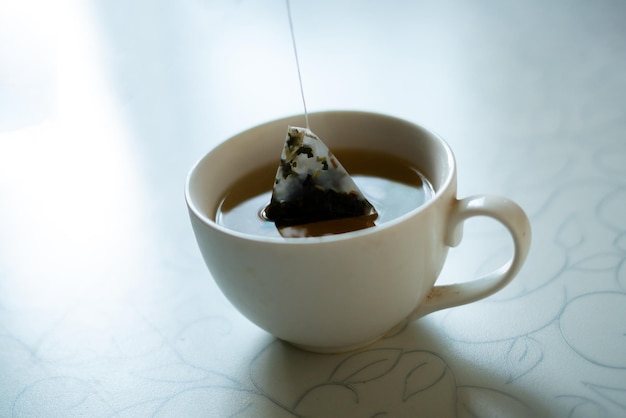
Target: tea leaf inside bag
[(311, 185)]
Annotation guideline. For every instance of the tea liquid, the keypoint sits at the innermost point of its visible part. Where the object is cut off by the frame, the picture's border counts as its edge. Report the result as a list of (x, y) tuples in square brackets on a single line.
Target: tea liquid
[(390, 183)]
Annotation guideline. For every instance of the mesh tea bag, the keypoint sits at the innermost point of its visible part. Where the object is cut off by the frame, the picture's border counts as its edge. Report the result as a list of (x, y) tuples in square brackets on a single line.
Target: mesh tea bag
[(311, 185)]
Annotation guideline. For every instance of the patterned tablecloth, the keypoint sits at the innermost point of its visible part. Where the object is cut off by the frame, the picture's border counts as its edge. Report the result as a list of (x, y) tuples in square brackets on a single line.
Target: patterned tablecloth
[(106, 307)]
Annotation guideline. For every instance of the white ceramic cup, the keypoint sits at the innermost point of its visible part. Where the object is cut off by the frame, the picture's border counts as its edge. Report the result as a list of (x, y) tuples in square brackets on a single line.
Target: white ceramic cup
[(339, 292)]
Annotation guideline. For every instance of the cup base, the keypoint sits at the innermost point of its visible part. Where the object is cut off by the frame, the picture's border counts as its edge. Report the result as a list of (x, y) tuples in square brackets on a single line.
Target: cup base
[(347, 348), (335, 350)]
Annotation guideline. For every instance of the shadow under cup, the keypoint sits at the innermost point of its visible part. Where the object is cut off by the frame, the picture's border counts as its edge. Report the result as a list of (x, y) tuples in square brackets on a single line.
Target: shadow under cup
[(329, 293)]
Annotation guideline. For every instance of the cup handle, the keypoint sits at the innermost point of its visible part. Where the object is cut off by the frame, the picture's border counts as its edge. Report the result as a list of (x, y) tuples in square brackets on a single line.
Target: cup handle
[(509, 214)]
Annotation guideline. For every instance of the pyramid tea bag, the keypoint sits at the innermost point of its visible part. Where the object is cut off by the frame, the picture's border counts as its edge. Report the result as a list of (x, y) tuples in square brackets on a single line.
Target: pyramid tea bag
[(311, 185)]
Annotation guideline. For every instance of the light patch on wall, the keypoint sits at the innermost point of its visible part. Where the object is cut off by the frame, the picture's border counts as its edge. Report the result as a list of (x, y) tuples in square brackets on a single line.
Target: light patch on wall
[(70, 189)]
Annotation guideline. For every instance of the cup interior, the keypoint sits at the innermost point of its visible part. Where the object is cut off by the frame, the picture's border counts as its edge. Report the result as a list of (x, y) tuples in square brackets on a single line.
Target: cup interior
[(212, 177)]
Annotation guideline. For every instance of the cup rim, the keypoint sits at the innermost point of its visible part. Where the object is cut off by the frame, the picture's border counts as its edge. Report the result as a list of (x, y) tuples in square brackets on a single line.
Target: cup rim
[(206, 220)]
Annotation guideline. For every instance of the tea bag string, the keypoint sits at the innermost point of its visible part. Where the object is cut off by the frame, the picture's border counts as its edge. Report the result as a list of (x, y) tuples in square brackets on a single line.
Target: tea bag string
[(295, 53)]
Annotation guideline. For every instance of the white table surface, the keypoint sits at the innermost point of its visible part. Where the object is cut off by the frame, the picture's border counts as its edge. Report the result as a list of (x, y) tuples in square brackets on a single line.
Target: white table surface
[(106, 307)]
